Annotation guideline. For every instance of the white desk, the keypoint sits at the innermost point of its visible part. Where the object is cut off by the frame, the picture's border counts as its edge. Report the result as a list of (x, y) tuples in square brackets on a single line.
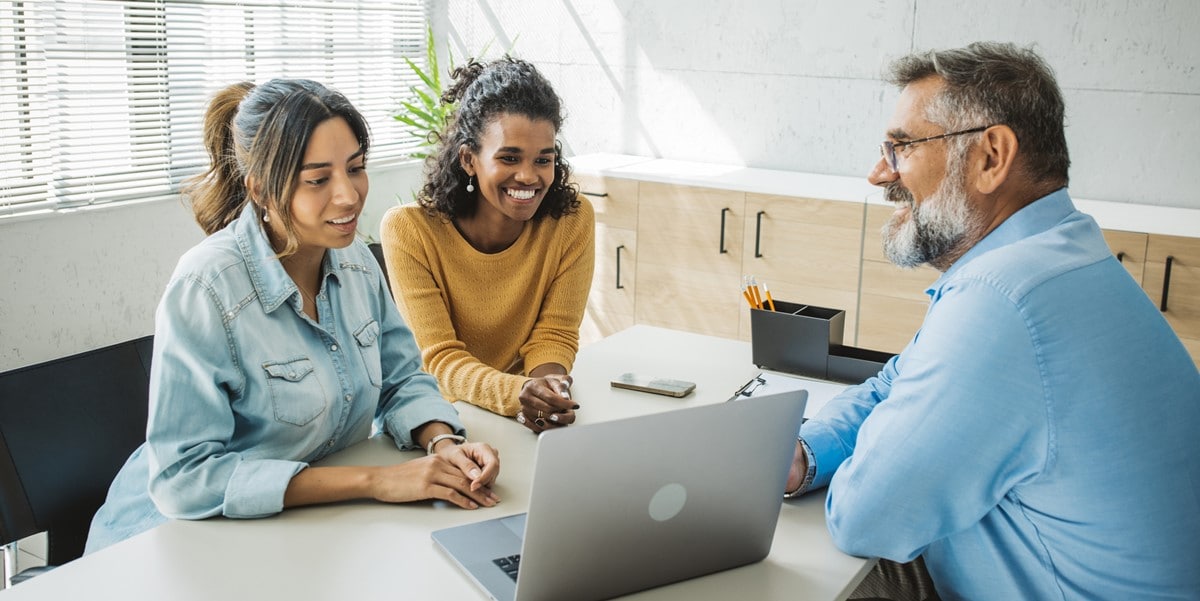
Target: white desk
[(367, 550)]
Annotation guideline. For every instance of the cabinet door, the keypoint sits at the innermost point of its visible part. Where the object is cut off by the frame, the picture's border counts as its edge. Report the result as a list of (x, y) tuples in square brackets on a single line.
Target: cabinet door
[(808, 251), (893, 301), (1181, 290), (614, 200), (689, 262), (1130, 250), (611, 299)]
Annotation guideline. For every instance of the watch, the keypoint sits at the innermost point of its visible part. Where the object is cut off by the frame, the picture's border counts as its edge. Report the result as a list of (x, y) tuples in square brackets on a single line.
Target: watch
[(440, 437)]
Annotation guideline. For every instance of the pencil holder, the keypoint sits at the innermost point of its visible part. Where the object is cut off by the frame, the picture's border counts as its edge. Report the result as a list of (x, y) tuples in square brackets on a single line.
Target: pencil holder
[(795, 338), (854, 365)]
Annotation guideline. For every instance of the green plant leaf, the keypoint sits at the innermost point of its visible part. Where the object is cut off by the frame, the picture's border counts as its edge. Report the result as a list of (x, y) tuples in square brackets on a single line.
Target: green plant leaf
[(429, 119), (423, 111), (430, 103), (421, 73)]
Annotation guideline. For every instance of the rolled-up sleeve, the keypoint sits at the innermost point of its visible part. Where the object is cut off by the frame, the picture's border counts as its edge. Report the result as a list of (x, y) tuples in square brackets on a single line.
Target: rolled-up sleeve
[(830, 436)]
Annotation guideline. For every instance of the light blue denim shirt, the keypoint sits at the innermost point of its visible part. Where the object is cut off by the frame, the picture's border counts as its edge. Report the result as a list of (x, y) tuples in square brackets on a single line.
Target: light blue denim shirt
[(246, 390), (1037, 439)]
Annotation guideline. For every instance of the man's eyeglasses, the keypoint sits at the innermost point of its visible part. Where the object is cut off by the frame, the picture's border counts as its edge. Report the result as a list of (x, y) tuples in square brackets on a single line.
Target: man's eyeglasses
[(888, 148)]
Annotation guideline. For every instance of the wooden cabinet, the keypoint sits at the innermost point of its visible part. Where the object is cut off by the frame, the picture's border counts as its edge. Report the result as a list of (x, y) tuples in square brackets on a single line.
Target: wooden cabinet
[(808, 251), (893, 302), (674, 255), (1172, 280), (1130, 250), (689, 262), (610, 307)]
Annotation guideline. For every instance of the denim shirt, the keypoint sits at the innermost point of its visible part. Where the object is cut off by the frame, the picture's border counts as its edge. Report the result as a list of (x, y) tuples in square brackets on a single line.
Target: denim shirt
[(1036, 439), (246, 390)]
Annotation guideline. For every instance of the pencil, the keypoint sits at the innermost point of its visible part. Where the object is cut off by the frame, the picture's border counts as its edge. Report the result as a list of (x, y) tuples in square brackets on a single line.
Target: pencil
[(749, 299), (749, 292), (754, 292), (770, 301)]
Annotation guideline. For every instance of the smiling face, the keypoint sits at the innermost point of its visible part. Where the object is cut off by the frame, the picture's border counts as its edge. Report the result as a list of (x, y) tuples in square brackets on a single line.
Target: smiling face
[(330, 192), (513, 168), (935, 220)]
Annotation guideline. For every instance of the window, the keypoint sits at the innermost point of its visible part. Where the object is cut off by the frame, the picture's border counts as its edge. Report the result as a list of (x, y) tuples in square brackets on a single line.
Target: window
[(101, 101)]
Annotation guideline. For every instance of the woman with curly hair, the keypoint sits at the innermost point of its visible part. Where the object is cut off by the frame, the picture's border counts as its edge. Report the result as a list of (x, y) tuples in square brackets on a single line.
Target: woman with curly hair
[(491, 267)]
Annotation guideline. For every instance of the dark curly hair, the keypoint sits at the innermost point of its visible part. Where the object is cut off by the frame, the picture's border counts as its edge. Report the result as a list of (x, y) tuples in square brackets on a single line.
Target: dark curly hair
[(482, 93)]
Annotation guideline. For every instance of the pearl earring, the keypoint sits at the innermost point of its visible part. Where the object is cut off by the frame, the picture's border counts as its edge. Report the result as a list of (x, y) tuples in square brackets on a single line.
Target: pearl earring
[(266, 218), (470, 185)]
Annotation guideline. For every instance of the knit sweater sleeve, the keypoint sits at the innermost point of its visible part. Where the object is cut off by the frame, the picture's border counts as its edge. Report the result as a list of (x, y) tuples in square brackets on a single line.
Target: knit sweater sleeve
[(555, 336)]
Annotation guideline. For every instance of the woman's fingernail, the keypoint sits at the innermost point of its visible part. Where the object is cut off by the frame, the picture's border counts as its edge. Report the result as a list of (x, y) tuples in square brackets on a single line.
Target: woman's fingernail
[(575, 406), (474, 474)]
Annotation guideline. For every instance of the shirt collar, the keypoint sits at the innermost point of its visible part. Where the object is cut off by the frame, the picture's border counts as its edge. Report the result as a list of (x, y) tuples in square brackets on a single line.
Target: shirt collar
[(1036, 217), (272, 284)]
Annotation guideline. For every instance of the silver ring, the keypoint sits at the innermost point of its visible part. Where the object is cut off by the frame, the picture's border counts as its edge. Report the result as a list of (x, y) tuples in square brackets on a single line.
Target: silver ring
[(521, 417)]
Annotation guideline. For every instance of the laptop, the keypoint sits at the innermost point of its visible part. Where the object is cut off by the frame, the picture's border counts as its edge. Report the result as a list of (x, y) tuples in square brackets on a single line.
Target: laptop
[(631, 504)]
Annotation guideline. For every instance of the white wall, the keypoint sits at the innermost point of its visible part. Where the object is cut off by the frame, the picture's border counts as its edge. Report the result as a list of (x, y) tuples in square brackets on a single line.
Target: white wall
[(795, 84), (784, 84), (90, 278)]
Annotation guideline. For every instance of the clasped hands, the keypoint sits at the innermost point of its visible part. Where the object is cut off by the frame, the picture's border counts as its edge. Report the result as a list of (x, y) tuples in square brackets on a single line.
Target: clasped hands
[(462, 474), (546, 403)]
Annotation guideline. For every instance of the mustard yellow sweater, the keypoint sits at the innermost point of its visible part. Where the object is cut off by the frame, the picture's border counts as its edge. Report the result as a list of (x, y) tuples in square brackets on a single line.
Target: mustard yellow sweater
[(483, 320)]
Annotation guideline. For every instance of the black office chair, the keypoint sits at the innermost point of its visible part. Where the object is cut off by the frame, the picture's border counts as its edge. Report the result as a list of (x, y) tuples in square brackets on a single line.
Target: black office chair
[(377, 250), (66, 428)]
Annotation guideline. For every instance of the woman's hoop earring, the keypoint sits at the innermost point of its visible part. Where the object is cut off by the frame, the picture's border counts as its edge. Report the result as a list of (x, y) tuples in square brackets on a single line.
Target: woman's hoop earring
[(470, 185)]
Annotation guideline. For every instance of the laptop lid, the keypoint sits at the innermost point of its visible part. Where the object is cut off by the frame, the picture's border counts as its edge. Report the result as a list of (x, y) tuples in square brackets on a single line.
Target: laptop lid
[(626, 505)]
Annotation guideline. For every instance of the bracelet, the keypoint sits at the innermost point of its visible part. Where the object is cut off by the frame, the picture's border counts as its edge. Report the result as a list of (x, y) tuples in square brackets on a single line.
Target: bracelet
[(440, 437)]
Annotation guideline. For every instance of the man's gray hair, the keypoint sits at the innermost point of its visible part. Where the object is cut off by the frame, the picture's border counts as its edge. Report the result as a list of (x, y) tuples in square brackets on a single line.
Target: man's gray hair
[(993, 83)]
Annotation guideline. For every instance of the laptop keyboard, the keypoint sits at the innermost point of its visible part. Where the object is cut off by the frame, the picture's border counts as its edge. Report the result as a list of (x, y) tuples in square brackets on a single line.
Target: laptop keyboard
[(509, 565)]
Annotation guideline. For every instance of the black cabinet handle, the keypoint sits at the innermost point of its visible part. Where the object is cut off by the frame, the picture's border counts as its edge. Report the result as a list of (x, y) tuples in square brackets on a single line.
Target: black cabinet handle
[(758, 235), (619, 286), (724, 212), (594, 194), (1162, 306), (1121, 257)]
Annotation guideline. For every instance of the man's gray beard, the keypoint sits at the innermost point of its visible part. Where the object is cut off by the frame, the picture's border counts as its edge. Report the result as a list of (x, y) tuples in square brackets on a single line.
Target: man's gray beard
[(937, 227)]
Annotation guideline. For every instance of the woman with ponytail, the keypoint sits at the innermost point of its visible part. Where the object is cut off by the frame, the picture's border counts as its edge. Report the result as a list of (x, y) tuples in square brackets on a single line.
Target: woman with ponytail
[(492, 266), (276, 342)]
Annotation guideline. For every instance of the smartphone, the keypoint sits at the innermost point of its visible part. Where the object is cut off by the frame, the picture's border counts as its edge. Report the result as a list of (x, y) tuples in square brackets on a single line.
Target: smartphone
[(672, 388)]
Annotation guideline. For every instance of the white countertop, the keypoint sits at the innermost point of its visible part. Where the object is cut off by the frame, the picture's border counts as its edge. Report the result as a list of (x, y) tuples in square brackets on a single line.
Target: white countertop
[(1150, 219)]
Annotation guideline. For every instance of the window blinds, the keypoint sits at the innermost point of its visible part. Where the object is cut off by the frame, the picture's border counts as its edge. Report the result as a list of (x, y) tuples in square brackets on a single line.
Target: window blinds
[(101, 101)]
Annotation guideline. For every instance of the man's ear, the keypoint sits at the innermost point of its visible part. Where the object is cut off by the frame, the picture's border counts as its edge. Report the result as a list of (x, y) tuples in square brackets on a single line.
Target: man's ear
[(466, 159), (998, 150)]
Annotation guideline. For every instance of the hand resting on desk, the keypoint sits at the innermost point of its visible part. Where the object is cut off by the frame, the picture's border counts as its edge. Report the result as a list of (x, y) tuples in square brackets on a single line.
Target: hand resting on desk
[(461, 474), (546, 402)]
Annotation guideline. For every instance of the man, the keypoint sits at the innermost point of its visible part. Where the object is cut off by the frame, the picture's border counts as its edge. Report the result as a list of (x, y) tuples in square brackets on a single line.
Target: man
[(1037, 438)]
